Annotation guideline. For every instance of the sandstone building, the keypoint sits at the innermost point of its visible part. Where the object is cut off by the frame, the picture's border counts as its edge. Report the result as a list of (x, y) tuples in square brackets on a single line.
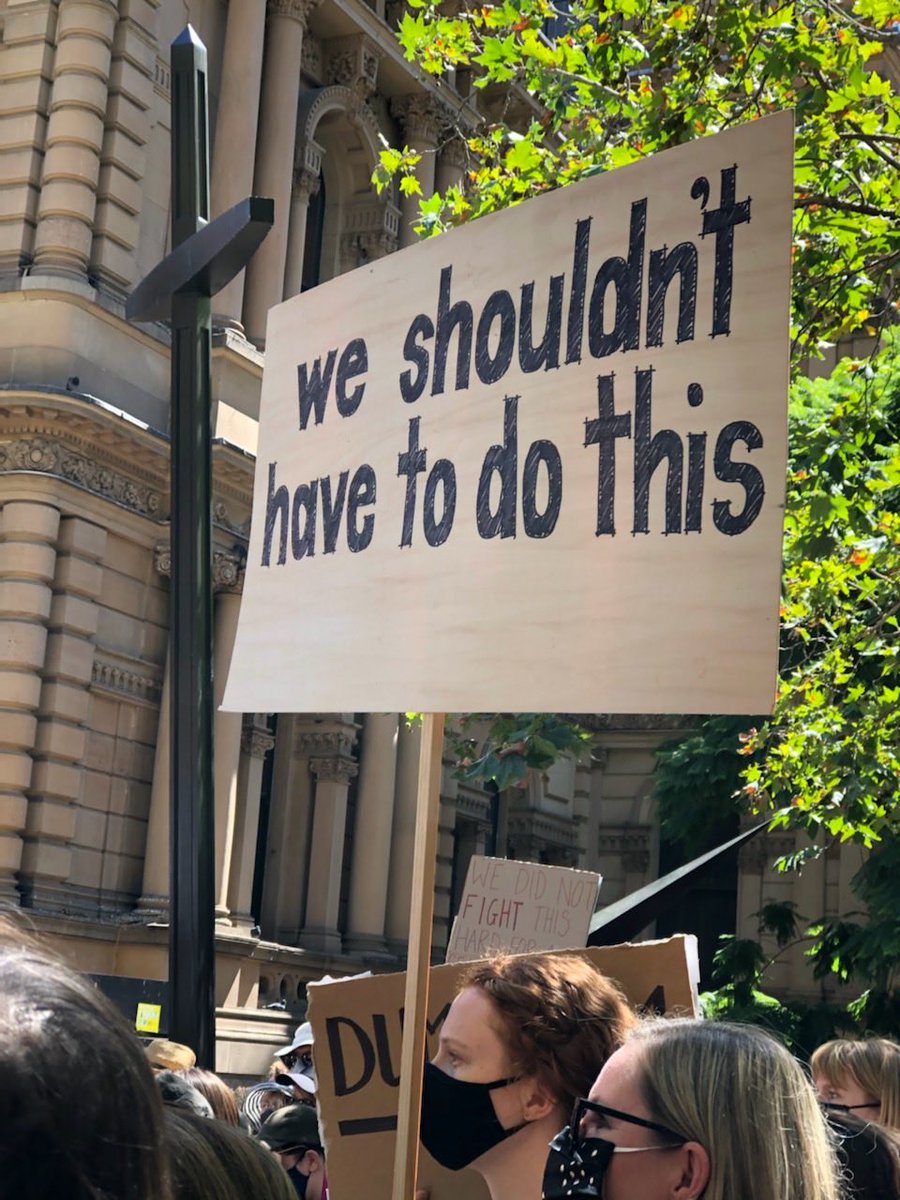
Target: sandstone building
[(314, 814)]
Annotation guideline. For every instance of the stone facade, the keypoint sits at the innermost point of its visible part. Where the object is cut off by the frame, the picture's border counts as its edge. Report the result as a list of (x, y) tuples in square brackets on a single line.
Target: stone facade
[(314, 814)]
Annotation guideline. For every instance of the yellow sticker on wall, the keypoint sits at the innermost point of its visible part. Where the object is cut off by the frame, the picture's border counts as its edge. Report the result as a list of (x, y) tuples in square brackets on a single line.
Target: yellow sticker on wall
[(147, 1018)]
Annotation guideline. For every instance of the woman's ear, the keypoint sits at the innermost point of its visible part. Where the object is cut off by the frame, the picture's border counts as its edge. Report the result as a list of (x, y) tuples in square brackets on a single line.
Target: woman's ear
[(536, 1100), (312, 1161), (694, 1175)]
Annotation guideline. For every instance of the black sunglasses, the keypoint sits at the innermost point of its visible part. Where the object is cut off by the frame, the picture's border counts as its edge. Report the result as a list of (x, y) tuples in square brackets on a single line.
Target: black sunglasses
[(835, 1107), (582, 1107)]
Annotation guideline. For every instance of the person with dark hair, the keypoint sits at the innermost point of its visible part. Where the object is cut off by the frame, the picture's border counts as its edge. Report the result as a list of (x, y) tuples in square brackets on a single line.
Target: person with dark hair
[(212, 1160), (80, 1115), (524, 1037), (869, 1155), (292, 1134), (218, 1094)]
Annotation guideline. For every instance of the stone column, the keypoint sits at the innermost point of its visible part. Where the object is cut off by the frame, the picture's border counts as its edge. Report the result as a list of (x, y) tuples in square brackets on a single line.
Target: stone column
[(60, 743), (275, 156), (65, 228), (452, 161), (256, 742), (307, 178), (371, 847), (154, 902), (227, 726), (419, 118), (28, 533), (403, 836), (326, 860), (288, 838), (123, 157), (25, 68), (236, 126)]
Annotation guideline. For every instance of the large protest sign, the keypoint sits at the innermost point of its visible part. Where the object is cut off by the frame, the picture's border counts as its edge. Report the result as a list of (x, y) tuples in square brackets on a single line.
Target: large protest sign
[(519, 907), (357, 1024), (536, 463)]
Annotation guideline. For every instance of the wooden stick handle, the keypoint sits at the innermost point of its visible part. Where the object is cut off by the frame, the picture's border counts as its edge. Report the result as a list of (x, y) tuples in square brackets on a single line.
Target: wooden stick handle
[(421, 912)]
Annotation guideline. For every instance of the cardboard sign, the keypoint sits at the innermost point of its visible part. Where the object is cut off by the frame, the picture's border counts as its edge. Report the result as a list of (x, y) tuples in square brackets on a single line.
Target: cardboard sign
[(357, 1025), (519, 907), (537, 463)]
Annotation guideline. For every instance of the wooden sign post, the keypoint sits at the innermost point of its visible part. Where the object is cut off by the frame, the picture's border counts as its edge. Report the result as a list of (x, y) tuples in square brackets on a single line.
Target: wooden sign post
[(421, 912)]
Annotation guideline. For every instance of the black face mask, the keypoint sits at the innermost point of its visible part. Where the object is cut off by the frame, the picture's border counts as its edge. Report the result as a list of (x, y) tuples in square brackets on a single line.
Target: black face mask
[(575, 1167), (458, 1120), (299, 1180), (576, 1164)]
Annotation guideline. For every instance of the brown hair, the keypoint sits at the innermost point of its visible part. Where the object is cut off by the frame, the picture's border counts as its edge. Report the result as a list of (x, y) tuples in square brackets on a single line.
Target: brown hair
[(80, 1112), (213, 1161), (559, 1017), (874, 1064), (222, 1099)]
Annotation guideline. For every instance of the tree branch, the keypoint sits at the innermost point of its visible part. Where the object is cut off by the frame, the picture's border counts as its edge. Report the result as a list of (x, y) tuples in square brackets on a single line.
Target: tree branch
[(865, 210)]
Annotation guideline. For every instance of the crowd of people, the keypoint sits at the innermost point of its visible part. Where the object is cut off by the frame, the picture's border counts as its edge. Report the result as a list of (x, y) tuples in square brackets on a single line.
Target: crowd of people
[(546, 1082)]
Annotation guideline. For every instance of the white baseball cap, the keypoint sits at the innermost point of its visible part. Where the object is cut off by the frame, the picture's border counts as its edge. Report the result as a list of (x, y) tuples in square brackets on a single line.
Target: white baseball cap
[(303, 1036)]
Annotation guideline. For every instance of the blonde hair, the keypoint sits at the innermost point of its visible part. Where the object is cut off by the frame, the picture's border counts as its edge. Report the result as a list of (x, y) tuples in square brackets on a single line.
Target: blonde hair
[(874, 1064), (559, 1017), (741, 1095)]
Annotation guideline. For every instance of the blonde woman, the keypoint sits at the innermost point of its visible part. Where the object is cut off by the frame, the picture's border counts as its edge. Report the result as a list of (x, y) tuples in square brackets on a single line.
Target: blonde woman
[(861, 1077), (689, 1109)]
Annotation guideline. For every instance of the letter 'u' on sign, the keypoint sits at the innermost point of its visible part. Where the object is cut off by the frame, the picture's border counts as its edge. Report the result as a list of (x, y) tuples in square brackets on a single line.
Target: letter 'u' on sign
[(538, 462)]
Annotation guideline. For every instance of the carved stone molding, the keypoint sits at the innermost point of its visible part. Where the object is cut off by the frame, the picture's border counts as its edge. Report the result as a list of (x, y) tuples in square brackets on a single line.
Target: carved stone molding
[(543, 830), (227, 568), (420, 116), (227, 571), (473, 807), (311, 59), (759, 854), (309, 743), (47, 456), (223, 518), (110, 676), (378, 218), (630, 846), (630, 722), (297, 10), (352, 62), (306, 185), (336, 769), (455, 153), (256, 742), (308, 157)]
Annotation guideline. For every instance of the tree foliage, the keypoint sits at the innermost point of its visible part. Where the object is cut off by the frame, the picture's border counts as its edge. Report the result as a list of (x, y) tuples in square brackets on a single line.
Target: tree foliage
[(585, 87), (828, 759), (563, 91)]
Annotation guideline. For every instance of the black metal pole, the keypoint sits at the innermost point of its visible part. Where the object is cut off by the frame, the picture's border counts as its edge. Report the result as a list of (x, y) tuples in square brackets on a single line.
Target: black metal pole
[(191, 928)]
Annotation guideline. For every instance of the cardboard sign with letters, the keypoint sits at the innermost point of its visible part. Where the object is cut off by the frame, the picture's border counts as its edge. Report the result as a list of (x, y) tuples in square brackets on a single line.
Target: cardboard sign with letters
[(536, 463), (519, 907), (357, 1024)]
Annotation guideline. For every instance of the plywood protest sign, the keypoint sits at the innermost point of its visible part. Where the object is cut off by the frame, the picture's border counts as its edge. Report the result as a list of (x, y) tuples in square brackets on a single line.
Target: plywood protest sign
[(519, 907), (536, 463), (357, 1025)]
